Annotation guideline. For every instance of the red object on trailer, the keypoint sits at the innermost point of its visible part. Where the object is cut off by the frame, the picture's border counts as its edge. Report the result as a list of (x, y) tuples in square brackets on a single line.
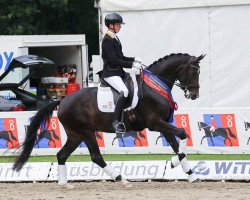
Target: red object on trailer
[(72, 87)]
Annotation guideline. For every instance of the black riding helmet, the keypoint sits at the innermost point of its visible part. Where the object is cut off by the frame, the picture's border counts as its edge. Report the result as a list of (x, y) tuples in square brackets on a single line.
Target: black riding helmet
[(113, 18)]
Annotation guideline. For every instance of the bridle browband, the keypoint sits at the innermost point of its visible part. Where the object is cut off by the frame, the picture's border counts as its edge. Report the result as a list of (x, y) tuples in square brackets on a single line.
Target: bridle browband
[(186, 86)]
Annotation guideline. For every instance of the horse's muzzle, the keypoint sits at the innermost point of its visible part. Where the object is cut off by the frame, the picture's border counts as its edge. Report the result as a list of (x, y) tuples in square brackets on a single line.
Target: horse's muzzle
[(192, 95)]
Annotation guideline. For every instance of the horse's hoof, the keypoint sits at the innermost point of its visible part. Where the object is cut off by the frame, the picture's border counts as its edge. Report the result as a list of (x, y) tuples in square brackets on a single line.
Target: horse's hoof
[(197, 181), (67, 186), (126, 184), (193, 178), (172, 166)]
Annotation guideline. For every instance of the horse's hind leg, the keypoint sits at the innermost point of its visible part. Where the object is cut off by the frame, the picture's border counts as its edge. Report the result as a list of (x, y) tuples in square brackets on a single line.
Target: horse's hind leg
[(122, 141), (8, 141), (90, 140), (203, 139), (138, 140), (114, 140), (248, 141), (158, 139), (62, 156), (180, 158), (12, 145), (230, 141)]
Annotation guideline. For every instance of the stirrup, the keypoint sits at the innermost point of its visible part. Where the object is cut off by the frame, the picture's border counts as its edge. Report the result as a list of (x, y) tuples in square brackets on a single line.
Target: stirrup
[(121, 129)]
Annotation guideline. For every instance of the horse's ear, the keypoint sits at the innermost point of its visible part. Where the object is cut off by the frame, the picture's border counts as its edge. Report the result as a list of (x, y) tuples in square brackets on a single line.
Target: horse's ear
[(200, 57)]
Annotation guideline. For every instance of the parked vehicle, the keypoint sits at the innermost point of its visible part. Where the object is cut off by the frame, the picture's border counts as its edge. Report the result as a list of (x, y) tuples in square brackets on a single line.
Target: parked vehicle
[(30, 101), (11, 105)]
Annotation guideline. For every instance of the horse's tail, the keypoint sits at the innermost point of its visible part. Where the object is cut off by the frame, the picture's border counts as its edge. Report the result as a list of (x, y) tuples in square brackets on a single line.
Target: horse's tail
[(54, 135), (12, 136), (230, 132), (42, 115), (141, 134)]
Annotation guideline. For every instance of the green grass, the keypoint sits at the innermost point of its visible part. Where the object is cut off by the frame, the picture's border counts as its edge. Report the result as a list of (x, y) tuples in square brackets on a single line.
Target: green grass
[(116, 157)]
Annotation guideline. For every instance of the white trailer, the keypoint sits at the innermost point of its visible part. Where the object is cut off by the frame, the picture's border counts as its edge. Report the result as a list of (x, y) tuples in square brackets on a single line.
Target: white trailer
[(61, 49), (218, 28)]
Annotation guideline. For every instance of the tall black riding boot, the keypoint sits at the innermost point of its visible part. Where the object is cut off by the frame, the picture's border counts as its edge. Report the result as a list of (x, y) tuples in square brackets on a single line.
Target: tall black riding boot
[(117, 125)]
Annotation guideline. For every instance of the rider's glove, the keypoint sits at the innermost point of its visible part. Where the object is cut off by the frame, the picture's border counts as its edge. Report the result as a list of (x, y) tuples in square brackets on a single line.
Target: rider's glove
[(137, 60), (137, 65)]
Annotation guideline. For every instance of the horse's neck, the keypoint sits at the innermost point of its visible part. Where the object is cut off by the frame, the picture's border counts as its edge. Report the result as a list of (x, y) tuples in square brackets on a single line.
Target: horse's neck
[(204, 124), (166, 70)]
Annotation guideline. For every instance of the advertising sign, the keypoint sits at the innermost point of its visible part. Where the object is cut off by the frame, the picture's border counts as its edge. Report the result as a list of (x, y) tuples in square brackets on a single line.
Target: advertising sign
[(213, 170), (8, 133), (220, 130), (180, 121), (129, 169), (49, 136)]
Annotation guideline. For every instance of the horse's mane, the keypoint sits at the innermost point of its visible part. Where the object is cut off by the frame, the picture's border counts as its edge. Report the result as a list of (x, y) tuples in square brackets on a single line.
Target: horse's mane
[(168, 57)]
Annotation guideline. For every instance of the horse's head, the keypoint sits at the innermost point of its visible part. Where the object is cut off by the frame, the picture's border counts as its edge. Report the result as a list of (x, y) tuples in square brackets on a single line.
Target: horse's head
[(181, 67), (202, 125), (199, 126), (188, 76), (247, 125)]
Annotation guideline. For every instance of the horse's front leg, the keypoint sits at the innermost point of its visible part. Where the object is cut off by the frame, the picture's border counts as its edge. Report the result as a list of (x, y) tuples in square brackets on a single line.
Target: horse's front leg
[(122, 141), (169, 131), (96, 156)]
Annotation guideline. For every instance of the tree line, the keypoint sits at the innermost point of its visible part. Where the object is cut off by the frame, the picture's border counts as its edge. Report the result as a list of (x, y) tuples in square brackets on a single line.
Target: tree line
[(39, 17)]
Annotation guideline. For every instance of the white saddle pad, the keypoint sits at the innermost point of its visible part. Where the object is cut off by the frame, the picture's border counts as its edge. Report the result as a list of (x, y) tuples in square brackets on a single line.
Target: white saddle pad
[(105, 98)]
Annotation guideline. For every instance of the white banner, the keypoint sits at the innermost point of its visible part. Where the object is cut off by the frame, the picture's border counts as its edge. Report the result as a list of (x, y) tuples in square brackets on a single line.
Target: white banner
[(212, 170), (131, 170), (135, 170), (36, 171), (230, 134)]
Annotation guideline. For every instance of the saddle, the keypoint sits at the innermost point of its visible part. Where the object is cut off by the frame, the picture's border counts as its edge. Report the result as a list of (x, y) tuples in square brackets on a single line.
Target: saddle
[(107, 96)]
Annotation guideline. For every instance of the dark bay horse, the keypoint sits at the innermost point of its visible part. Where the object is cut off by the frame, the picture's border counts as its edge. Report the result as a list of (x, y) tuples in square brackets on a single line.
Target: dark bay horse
[(80, 116), (223, 132)]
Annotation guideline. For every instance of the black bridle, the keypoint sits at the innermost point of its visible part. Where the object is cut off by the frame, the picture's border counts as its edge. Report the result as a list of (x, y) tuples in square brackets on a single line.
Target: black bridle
[(186, 86)]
